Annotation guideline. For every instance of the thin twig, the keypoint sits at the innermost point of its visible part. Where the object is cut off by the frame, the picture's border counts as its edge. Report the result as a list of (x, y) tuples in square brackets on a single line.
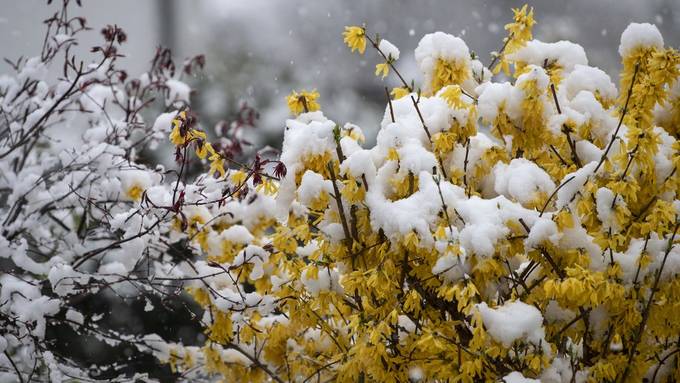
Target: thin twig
[(545, 205), (565, 130), (648, 305), (623, 115), (389, 101), (338, 200), (21, 378)]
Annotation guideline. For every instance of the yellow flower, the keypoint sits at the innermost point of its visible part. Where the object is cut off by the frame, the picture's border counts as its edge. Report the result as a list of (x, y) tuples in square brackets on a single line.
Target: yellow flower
[(452, 94), (352, 192), (204, 150), (382, 69), (303, 102), (399, 92), (564, 220), (519, 33), (392, 155), (216, 164), (355, 38), (448, 73), (443, 142), (520, 29), (355, 134), (346, 281), (134, 192), (238, 177), (176, 136), (269, 187)]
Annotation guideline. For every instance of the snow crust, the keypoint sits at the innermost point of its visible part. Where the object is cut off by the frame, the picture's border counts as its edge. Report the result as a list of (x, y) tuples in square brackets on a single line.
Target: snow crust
[(639, 35)]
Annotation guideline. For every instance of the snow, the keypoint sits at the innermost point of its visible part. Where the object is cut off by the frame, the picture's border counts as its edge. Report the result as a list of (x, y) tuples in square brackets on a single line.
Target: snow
[(234, 356), (387, 48), (34, 68), (573, 186), (416, 212), (486, 218), (327, 280), (142, 179), (237, 234), (563, 53), (450, 267), (254, 255), (605, 207), (639, 35), (416, 374), (435, 112), (99, 98), (63, 278), (521, 179), (415, 158), (517, 377), (587, 151), (545, 229), (663, 159), (406, 326), (602, 122), (307, 135), (311, 187), (177, 91), (494, 97), (163, 122), (439, 45), (359, 163), (663, 114), (75, 316), (592, 79), (534, 73), (513, 321), (24, 301)]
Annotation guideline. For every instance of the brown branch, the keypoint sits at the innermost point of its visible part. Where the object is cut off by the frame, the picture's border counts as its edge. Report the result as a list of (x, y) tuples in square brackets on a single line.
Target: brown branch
[(499, 54), (389, 101), (623, 115), (465, 164), (255, 361), (545, 205), (338, 200), (422, 120), (565, 130), (427, 132), (388, 61), (45, 116)]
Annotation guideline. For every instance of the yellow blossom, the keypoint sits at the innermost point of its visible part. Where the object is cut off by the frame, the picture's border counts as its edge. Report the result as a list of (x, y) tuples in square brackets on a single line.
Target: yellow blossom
[(134, 192), (355, 38), (204, 150), (216, 164), (519, 33), (303, 102), (399, 92), (382, 69), (376, 270)]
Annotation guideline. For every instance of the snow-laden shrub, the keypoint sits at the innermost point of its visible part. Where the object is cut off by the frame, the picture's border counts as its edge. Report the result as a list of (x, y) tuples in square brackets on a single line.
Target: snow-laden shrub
[(521, 230)]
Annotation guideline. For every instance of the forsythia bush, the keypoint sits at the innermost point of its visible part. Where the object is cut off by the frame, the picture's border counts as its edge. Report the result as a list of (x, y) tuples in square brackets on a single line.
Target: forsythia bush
[(516, 228)]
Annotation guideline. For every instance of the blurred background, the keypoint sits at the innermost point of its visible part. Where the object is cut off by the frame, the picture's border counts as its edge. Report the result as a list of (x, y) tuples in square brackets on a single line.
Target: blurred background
[(257, 51)]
